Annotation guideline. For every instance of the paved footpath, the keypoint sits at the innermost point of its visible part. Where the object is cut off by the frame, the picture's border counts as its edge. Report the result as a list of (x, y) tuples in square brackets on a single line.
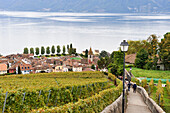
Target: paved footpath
[(136, 103)]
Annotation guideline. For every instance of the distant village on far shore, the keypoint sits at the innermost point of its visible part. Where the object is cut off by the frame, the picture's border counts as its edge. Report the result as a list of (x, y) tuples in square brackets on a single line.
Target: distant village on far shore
[(28, 63)]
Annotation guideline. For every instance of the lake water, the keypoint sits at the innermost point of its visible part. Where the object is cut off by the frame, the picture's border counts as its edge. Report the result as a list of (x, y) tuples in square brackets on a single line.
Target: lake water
[(100, 31)]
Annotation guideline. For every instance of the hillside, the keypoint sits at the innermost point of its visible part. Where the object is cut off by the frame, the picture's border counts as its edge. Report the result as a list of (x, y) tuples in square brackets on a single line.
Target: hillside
[(107, 6)]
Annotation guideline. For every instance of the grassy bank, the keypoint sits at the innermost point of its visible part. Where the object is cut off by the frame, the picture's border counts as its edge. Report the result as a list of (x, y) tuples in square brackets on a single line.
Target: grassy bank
[(150, 73)]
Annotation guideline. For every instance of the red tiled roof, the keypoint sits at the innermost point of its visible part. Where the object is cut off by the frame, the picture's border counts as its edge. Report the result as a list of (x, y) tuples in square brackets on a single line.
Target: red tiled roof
[(130, 58)]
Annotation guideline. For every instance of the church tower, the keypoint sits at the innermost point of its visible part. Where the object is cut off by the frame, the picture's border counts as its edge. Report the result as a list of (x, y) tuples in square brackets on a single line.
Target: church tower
[(90, 56)]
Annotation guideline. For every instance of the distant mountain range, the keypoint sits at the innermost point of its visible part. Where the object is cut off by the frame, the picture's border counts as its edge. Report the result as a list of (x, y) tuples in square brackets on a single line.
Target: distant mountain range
[(99, 6)]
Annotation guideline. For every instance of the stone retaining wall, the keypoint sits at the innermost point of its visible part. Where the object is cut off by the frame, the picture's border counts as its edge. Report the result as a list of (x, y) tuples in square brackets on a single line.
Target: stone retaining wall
[(116, 106), (152, 105)]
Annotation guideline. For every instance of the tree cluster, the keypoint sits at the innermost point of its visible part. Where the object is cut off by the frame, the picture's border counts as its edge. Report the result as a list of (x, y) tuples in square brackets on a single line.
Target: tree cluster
[(52, 51), (113, 62), (147, 57)]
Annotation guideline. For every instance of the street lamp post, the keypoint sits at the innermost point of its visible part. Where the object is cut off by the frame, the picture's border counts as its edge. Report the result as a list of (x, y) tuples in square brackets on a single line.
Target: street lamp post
[(124, 47)]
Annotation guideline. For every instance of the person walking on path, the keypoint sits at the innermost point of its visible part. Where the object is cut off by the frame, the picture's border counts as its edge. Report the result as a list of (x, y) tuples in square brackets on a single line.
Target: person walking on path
[(129, 84), (134, 87)]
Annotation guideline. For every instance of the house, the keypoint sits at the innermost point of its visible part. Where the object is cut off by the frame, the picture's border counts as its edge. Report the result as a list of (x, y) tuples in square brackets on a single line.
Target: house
[(96, 52), (77, 68), (43, 68), (84, 61), (3, 69), (84, 53), (12, 69), (25, 68), (130, 59), (58, 68), (160, 65), (65, 69), (88, 69)]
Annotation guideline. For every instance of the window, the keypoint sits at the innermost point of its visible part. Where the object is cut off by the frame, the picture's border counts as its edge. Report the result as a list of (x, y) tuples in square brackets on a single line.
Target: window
[(25, 67), (22, 68), (28, 67)]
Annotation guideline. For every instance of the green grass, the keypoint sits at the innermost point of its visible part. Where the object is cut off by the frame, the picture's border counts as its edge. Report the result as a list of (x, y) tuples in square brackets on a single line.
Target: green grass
[(150, 73)]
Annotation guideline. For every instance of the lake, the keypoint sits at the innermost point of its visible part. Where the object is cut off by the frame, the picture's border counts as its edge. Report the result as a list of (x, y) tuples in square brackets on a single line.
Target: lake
[(102, 31)]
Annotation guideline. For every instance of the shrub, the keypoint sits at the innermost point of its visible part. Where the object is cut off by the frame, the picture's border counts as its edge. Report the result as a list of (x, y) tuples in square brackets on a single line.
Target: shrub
[(135, 80), (130, 65), (151, 85), (168, 87), (159, 91), (111, 76), (144, 83)]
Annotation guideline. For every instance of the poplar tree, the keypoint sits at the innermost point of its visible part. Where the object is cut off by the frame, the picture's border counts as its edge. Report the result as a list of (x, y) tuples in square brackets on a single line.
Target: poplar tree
[(37, 51), (25, 50), (53, 49), (58, 49), (32, 51), (64, 50), (42, 50), (48, 50)]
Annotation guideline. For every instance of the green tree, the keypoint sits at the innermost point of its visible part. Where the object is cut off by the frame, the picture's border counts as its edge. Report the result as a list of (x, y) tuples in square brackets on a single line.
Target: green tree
[(153, 50), (64, 50), (68, 48), (101, 63), (141, 58), (58, 49), (37, 51), (153, 40), (86, 53), (25, 50), (71, 49), (48, 50), (118, 57), (134, 46), (113, 68), (115, 61), (103, 54), (53, 49), (74, 51), (42, 50), (32, 51), (164, 51), (93, 67)]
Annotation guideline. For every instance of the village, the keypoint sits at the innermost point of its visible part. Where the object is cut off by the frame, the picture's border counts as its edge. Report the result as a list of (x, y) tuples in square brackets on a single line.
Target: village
[(28, 63)]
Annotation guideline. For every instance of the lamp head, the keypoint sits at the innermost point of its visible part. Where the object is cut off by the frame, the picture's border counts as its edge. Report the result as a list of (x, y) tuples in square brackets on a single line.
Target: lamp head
[(124, 46)]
